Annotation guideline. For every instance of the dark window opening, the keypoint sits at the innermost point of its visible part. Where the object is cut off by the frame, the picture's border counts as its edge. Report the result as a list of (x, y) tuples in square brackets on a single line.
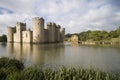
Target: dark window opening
[(26, 35)]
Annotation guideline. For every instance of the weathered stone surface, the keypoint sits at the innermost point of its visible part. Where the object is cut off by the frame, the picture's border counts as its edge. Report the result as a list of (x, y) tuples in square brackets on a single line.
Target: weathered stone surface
[(53, 33)]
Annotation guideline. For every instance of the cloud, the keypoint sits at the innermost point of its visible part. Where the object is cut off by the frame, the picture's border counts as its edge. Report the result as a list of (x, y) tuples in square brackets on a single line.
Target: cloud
[(3, 10), (18, 6), (74, 15)]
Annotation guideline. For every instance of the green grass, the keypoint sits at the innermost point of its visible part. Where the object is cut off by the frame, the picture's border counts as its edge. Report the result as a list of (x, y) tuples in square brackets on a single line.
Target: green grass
[(11, 69)]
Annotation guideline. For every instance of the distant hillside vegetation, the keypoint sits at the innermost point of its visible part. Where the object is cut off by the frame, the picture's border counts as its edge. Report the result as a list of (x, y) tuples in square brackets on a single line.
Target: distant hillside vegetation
[(96, 35)]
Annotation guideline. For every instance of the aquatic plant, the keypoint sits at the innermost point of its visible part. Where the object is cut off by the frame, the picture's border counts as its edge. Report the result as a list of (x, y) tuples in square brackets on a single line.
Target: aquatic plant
[(11, 69)]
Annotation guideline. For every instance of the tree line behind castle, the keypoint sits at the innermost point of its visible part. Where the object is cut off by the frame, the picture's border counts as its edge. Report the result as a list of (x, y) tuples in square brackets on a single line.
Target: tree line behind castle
[(52, 33), (97, 35)]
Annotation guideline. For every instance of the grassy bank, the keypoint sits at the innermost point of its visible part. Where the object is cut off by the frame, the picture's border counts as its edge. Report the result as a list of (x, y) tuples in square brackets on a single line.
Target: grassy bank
[(11, 69)]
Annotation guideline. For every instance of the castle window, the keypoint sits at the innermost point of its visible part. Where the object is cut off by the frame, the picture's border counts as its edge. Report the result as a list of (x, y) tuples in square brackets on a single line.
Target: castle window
[(38, 35), (26, 35)]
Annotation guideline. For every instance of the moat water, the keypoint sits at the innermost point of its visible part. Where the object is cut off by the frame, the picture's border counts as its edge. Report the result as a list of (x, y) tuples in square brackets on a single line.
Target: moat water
[(53, 55)]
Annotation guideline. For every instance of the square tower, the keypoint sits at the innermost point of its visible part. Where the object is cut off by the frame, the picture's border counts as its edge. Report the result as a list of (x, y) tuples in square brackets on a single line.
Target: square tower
[(19, 28)]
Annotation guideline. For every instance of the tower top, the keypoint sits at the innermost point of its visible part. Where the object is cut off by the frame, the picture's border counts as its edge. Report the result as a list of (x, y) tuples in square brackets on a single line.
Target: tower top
[(58, 26), (38, 18), (10, 27), (62, 29), (49, 24), (20, 23), (53, 24)]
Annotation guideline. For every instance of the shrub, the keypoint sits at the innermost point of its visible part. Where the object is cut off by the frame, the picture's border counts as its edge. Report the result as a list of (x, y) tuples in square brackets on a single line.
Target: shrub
[(9, 67), (32, 74)]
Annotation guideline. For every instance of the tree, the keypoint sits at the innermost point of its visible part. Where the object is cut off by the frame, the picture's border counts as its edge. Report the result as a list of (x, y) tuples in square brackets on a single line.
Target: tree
[(104, 35), (95, 35), (3, 38), (83, 36), (113, 34), (118, 31), (68, 35)]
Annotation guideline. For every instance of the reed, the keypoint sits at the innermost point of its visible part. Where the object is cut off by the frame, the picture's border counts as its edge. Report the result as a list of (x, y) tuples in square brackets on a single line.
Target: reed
[(13, 72)]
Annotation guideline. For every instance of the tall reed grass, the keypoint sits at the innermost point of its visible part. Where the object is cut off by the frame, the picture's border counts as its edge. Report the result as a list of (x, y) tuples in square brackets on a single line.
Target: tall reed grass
[(11, 69)]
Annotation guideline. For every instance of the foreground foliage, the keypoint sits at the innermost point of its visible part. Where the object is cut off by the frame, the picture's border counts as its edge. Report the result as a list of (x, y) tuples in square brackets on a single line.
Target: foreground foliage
[(9, 66), (11, 69)]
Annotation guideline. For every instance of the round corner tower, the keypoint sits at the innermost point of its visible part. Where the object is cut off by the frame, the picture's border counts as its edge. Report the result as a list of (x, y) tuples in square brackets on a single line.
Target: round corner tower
[(38, 30), (10, 32)]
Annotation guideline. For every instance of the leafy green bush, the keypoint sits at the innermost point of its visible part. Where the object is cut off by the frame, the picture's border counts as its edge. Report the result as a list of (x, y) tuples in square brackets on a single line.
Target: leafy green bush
[(32, 74), (14, 76), (9, 66), (11, 63)]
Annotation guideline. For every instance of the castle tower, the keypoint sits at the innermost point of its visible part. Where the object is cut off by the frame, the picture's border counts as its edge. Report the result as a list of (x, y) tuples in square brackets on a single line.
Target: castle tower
[(58, 33), (49, 28), (46, 36), (53, 32), (38, 30), (19, 28), (62, 34), (10, 32)]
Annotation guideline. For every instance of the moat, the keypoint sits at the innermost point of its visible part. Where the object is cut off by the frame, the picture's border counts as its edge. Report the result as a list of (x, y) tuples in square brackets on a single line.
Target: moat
[(54, 55)]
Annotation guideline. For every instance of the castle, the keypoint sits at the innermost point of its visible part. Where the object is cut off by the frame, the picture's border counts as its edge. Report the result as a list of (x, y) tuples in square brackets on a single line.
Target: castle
[(53, 33)]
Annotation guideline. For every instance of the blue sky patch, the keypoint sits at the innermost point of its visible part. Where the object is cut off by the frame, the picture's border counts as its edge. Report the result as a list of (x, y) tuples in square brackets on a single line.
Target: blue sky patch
[(4, 10)]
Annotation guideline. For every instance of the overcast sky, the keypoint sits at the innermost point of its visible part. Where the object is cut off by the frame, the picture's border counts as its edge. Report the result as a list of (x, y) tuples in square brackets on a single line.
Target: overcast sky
[(74, 15)]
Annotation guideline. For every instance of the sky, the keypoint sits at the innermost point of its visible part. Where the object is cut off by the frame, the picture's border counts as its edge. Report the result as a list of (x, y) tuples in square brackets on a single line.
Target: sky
[(74, 15)]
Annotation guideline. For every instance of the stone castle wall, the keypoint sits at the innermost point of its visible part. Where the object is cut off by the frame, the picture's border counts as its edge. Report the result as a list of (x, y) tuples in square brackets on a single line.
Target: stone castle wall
[(27, 36), (46, 36), (53, 33), (62, 34)]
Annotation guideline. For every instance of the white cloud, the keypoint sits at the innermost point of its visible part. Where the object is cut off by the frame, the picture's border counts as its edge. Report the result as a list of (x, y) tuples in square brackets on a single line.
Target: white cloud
[(18, 6), (74, 15)]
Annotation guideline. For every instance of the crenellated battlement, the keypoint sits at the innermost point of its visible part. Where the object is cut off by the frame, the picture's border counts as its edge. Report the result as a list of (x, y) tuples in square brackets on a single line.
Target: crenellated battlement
[(49, 24), (58, 26), (62, 29), (53, 24), (20, 24), (37, 18)]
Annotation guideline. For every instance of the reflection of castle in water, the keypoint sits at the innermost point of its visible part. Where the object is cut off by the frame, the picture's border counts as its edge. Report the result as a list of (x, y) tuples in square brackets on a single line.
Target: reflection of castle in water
[(36, 54), (19, 51)]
